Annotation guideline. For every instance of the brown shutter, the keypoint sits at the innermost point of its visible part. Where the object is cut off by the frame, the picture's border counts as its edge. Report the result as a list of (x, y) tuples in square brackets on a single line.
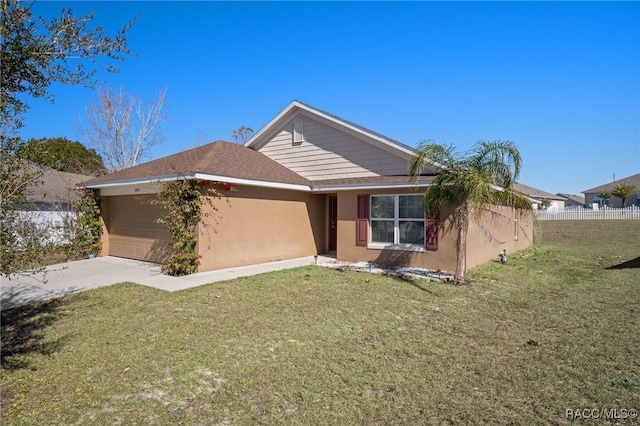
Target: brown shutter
[(362, 223), (431, 231)]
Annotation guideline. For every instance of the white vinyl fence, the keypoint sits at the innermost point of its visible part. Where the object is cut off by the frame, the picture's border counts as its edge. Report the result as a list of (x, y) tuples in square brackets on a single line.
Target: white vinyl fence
[(581, 213), (53, 225)]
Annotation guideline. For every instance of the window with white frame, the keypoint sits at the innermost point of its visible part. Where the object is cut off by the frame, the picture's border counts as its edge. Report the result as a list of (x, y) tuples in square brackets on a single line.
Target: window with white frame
[(397, 219)]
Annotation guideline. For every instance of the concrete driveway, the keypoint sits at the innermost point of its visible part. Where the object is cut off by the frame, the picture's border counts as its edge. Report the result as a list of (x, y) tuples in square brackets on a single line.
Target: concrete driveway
[(79, 275)]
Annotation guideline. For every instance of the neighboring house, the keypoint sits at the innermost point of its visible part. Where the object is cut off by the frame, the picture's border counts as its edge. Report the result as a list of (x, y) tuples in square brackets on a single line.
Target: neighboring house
[(307, 183), (537, 196), (50, 200), (591, 197), (572, 200)]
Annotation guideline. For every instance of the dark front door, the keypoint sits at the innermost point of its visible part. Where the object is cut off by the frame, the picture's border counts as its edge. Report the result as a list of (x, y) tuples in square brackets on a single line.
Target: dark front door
[(333, 223)]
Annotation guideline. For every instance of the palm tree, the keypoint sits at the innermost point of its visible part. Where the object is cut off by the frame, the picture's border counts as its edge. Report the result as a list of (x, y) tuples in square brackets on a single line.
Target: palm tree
[(470, 183), (623, 190)]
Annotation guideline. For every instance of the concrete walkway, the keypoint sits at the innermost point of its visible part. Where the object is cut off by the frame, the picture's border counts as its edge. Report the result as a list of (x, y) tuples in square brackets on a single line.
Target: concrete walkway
[(80, 275)]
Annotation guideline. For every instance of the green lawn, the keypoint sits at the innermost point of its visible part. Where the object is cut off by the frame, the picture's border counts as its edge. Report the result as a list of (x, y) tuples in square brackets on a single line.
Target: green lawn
[(557, 328)]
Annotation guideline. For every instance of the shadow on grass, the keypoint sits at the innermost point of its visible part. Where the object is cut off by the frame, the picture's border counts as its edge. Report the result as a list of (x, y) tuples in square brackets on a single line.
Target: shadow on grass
[(23, 333), (630, 264), (406, 279)]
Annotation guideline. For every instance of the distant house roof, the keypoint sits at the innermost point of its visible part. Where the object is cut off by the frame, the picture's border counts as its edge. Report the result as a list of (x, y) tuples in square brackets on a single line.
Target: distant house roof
[(535, 193), (54, 186), (575, 198), (607, 187)]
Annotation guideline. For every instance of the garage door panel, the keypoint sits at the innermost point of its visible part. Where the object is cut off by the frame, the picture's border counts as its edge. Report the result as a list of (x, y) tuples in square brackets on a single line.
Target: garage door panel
[(133, 229)]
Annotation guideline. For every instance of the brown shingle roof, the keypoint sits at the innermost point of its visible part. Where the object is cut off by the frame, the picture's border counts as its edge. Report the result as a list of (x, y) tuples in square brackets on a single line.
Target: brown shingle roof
[(217, 158), (233, 161)]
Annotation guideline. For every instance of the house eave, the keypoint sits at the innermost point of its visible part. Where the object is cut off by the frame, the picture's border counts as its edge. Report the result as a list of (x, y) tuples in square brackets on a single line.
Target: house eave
[(196, 175), (257, 183), (133, 181), (366, 186), (252, 182)]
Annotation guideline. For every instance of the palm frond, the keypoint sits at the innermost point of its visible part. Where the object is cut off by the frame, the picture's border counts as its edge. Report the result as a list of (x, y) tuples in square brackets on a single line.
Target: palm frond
[(501, 158), (430, 153)]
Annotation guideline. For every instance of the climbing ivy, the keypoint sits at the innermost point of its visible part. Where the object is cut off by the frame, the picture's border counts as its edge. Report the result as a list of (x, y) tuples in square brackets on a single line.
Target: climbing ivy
[(182, 200)]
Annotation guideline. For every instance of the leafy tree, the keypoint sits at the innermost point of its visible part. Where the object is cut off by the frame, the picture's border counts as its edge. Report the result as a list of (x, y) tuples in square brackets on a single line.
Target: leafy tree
[(34, 54), (623, 191), (62, 154), (545, 203), (123, 127), (470, 183)]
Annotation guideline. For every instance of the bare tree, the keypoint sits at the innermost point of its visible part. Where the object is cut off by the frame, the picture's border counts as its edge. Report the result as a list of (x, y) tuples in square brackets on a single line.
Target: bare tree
[(123, 128), (242, 134)]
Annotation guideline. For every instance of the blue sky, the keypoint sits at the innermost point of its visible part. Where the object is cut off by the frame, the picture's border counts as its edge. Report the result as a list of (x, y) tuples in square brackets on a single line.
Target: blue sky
[(560, 79)]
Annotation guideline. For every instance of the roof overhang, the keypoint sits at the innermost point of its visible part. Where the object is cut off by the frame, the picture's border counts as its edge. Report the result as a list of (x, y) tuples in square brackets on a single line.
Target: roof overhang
[(319, 188), (367, 186), (196, 175)]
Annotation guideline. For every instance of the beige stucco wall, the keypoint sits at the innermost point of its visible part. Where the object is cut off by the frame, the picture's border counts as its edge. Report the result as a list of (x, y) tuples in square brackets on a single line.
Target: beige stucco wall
[(496, 231), (443, 258), (104, 219), (256, 225), (480, 249)]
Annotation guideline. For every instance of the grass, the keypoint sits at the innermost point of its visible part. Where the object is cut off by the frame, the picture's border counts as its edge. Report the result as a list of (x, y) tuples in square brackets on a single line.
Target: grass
[(555, 329)]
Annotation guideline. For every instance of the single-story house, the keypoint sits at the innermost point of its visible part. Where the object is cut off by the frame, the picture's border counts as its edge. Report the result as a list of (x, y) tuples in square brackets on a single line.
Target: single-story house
[(572, 200), (307, 183), (50, 199), (591, 195), (537, 196)]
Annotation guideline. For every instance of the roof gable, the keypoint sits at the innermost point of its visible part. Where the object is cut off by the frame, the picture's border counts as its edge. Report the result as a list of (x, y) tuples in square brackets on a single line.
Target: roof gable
[(319, 145), (262, 136)]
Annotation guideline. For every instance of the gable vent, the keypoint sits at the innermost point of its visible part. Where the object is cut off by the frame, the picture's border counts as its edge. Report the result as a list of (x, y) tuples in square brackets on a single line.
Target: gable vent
[(298, 130)]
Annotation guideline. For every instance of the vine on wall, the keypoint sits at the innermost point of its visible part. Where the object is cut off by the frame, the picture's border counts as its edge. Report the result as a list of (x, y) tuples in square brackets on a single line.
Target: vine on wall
[(182, 200)]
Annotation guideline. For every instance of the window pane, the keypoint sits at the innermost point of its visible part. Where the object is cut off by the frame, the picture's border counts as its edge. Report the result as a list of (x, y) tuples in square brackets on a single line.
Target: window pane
[(411, 232), (382, 231), (382, 207), (411, 207)]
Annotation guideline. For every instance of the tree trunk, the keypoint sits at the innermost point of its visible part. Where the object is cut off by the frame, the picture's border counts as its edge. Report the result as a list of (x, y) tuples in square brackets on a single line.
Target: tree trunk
[(461, 246)]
